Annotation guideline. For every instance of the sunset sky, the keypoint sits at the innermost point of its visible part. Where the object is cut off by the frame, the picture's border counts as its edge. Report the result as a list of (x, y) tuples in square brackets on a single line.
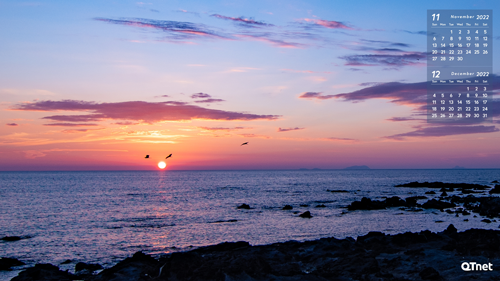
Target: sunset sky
[(97, 85)]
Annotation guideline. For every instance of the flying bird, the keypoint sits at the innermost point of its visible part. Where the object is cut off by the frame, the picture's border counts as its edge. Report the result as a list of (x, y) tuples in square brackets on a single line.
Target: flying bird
[(147, 156), (245, 143), (168, 156)]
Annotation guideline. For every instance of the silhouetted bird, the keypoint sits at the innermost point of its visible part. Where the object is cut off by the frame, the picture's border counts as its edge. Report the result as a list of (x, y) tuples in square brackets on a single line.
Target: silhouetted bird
[(245, 143), (168, 156), (147, 156)]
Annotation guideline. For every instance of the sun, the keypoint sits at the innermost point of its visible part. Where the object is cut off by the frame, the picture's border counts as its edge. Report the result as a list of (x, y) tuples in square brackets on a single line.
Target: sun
[(162, 165)]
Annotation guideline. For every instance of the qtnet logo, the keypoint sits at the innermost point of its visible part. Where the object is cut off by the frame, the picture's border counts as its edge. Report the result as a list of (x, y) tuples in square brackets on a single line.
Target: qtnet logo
[(474, 266)]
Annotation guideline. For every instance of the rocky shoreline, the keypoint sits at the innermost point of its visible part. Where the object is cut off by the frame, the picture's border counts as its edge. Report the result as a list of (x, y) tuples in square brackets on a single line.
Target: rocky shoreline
[(473, 254), (375, 256)]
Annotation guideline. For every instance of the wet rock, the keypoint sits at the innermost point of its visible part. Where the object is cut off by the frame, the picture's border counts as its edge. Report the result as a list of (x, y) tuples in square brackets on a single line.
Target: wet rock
[(139, 267), (430, 192), (429, 273), (66, 262), (444, 194), (495, 181), (11, 238), (437, 204), (306, 214), (495, 190), (321, 206), (366, 204), (337, 191), (7, 263), (244, 206), (395, 202), (287, 207), (489, 207), (486, 220), (304, 205), (450, 230), (44, 272), (87, 266)]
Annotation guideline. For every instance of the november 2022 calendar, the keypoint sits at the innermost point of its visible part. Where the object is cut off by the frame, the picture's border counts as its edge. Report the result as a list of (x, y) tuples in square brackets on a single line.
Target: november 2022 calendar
[(459, 66)]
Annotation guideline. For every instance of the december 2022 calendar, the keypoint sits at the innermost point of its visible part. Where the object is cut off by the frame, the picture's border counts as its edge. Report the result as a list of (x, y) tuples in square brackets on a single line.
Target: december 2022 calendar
[(459, 66)]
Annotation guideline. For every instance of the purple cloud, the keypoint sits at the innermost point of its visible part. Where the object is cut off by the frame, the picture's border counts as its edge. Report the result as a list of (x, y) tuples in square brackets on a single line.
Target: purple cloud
[(70, 124), (440, 131), (209, 101), (200, 95), (397, 60), (12, 124), (289, 129), (222, 129), (315, 95), (141, 111), (243, 21), (329, 23), (177, 30)]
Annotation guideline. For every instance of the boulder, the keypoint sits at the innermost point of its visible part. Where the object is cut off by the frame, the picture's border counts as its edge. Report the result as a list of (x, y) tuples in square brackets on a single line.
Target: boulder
[(44, 272), (306, 214), (244, 206), (366, 204), (437, 204), (287, 207), (7, 263)]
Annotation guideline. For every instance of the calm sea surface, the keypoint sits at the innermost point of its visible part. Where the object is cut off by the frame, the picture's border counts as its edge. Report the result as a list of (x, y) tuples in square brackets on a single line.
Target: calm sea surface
[(103, 217)]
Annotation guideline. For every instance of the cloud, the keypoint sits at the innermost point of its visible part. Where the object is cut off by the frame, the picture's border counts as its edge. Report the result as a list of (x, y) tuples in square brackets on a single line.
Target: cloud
[(12, 124), (406, 93), (315, 95), (200, 95), (440, 131), (162, 96), (340, 139), (397, 60), (126, 123), (32, 154), (399, 119), (329, 23), (289, 129), (70, 124), (222, 128), (422, 32), (209, 101), (140, 111), (268, 38), (243, 21), (254, 136), (176, 29), (75, 131)]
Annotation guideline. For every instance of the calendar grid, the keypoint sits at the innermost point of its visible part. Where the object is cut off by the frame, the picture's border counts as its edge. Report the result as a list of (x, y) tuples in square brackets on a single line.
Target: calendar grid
[(459, 65)]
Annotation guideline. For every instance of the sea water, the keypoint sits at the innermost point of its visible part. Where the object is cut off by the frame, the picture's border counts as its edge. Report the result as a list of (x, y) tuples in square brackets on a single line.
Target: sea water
[(103, 217)]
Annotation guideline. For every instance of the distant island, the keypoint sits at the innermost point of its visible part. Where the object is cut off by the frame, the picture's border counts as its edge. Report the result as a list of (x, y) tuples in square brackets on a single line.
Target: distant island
[(459, 167), (357, 168)]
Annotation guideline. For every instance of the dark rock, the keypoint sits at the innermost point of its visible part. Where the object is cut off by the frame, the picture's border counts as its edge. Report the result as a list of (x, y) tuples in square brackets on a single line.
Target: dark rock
[(444, 194), (304, 205), (442, 185), (135, 268), (429, 273), (430, 192), (44, 272), (337, 191), (11, 238), (306, 214), (394, 202), (466, 220), (321, 206), (287, 207), (489, 207), (450, 230), (244, 206), (66, 262), (366, 204), (7, 263), (87, 266), (495, 190), (495, 181), (486, 221), (437, 204)]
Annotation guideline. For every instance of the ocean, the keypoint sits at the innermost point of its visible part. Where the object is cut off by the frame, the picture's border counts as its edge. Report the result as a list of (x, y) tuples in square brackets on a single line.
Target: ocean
[(103, 217)]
